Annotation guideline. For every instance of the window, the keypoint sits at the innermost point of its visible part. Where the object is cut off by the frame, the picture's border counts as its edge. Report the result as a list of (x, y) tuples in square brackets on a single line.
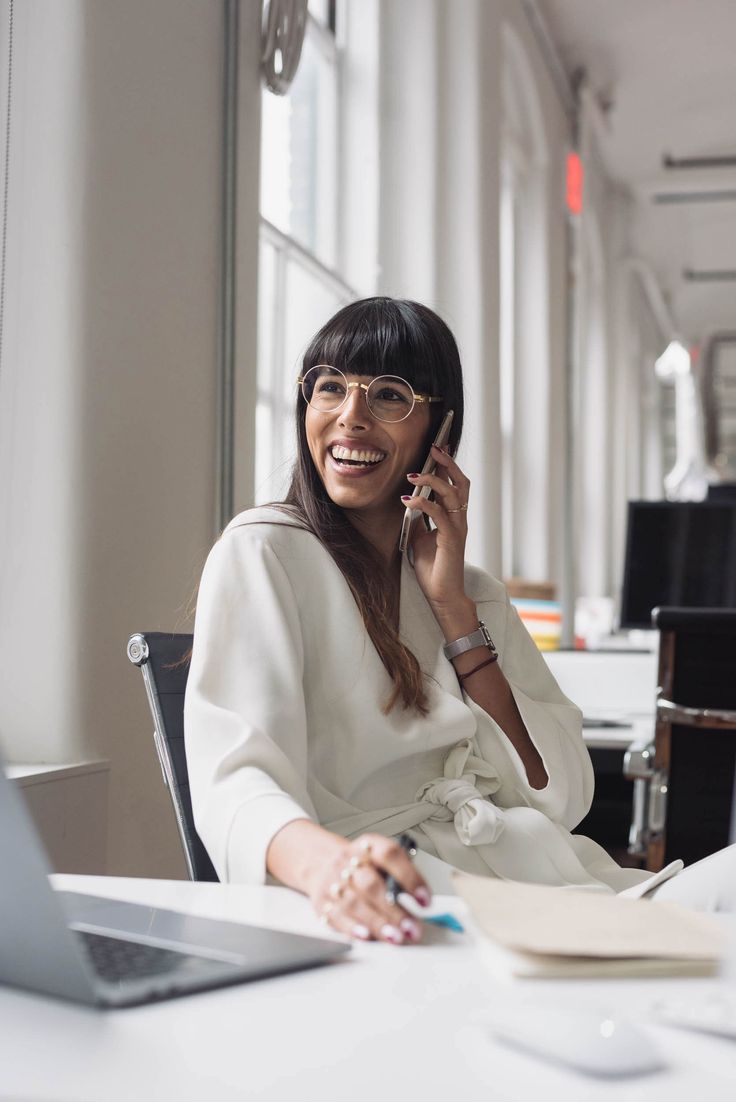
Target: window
[(299, 285), (299, 147)]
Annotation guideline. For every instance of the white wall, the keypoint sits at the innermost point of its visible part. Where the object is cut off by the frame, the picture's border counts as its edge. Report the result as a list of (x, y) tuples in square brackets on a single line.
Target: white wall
[(438, 207), (108, 396)]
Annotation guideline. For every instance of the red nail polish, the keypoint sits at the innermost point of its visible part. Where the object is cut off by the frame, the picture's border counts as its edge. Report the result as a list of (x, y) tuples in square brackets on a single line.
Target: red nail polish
[(406, 497), (392, 934), (410, 929), (413, 475)]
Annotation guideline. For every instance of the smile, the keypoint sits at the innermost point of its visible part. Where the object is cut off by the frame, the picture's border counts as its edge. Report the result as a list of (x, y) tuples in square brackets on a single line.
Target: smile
[(352, 458)]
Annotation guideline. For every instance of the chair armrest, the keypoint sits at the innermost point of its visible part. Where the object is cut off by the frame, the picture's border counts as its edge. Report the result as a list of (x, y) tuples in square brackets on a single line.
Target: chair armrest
[(670, 712), (639, 760)]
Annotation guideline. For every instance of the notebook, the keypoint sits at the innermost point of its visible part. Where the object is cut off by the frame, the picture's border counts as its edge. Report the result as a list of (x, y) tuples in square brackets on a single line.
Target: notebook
[(109, 953), (538, 931)]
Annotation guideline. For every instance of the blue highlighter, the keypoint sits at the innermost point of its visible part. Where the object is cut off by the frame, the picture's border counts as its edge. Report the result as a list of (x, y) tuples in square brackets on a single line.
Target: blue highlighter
[(448, 921)]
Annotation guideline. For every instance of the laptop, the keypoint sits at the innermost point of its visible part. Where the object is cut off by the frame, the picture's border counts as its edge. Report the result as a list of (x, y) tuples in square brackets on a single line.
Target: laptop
[(108, 953)]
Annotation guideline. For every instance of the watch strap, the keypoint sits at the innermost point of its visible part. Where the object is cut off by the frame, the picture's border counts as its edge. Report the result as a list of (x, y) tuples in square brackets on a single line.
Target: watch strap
[(479, 638)]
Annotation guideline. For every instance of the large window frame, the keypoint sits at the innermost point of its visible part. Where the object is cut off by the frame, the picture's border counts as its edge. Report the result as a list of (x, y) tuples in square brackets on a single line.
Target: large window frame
[(286, 259)]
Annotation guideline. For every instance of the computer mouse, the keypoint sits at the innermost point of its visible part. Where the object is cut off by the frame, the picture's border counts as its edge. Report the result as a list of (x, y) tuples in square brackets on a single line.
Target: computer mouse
[(583, 1038)]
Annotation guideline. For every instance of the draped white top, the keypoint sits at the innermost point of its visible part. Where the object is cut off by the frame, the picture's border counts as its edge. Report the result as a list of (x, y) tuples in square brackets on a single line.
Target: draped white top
[(284, 720)]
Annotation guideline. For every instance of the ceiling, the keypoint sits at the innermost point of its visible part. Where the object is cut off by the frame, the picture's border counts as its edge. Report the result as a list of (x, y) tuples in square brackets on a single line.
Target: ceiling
[(664, 72)]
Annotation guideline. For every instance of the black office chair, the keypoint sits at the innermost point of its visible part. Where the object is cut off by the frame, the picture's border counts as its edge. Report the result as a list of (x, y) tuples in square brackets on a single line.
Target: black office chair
[(161, 657), (684, 779)]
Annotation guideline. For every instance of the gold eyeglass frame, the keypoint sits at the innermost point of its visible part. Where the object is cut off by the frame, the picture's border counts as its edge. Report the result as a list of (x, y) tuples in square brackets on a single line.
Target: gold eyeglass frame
[(428, 398)]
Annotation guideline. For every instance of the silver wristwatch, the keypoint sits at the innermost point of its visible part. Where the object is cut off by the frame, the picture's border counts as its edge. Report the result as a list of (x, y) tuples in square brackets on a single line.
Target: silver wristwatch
[(479, 638)]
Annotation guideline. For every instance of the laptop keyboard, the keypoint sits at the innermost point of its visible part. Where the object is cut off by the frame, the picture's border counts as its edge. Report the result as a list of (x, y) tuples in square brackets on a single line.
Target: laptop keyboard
[(116, 959)]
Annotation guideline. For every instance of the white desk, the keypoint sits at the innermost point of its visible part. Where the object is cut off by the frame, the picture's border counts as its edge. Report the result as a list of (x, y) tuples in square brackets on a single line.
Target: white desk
[(617, 685), (389, 1024)]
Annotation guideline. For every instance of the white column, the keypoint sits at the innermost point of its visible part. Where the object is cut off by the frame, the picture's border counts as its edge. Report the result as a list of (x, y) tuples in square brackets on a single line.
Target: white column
[(439, 208), (532, 389)]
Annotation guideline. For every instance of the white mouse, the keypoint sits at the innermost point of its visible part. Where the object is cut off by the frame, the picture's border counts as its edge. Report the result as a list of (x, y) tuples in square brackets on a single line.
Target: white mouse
[(582, 1038)]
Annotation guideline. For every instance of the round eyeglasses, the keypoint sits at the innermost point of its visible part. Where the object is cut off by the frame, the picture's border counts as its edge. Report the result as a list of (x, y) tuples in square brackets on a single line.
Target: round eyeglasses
[(389, 397)]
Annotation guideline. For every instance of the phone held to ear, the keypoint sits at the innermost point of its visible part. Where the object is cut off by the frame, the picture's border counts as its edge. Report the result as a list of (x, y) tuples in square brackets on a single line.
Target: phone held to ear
[(429, 468)]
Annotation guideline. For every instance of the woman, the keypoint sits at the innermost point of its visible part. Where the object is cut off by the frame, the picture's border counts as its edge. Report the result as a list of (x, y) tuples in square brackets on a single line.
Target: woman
[(324, 716)]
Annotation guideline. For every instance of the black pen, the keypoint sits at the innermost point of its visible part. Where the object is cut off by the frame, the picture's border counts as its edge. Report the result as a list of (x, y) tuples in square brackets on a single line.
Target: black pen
[(393, 887)]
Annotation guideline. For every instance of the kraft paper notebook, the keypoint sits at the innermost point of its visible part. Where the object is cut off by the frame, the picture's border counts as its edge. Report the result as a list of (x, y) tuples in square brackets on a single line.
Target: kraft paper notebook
[(530, 930)]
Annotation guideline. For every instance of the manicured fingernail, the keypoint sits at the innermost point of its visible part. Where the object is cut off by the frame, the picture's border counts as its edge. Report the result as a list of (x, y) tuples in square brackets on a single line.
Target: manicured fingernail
[(413, 475), (361, 931), (422, 897), (411, 929), (406, 497), (393, 934)]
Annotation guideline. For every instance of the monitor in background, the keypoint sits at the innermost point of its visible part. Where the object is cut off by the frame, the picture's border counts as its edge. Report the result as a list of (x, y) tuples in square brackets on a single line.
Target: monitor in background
[(678, 553)]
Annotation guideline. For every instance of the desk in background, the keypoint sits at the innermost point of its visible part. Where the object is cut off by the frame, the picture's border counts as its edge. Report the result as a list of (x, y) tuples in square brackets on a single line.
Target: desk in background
[(388, 1024), (613, 686)]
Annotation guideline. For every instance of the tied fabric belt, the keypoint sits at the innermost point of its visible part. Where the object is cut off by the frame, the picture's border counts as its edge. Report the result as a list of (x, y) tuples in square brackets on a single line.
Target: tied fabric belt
[(461, 795), (515, 843)]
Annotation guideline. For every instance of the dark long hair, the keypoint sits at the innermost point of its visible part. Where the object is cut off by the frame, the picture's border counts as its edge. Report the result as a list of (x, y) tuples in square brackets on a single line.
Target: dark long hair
[(376, 336)]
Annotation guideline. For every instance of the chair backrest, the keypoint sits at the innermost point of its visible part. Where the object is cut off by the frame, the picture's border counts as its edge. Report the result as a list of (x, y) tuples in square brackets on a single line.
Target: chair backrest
[(165, 667), (695, 738)]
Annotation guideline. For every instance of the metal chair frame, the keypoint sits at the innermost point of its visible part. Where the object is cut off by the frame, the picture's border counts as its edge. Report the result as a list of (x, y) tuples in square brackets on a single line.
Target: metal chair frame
[(648, 762), (143, 651)]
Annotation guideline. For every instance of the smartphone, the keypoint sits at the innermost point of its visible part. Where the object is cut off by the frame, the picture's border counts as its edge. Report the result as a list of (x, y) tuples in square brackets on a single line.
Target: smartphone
[(424, 491)]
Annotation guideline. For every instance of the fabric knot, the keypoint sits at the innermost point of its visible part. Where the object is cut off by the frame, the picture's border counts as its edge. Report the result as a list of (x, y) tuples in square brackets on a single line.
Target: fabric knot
[(461, 795)]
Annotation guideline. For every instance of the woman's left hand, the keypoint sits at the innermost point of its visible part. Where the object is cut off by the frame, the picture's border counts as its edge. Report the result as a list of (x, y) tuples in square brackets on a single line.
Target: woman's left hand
[(439, 556)]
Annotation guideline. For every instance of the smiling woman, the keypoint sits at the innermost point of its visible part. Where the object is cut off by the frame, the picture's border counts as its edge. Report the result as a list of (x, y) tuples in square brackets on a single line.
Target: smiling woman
[(342, 693), (356, 512)]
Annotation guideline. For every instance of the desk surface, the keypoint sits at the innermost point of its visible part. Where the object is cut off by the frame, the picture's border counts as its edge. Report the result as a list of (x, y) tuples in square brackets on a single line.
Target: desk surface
[(388, 1024), (634, 728)]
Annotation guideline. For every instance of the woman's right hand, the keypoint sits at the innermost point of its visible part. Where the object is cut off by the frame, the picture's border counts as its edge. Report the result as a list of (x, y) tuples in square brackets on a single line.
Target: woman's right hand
[(348, 890), (346, 881)]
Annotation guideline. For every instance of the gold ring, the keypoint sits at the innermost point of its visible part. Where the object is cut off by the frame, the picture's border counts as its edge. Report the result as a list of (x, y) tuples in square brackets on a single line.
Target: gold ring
[(460, 509)]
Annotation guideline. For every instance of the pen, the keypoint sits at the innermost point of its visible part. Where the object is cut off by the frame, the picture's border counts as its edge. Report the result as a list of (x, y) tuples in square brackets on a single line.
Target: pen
[(393, 887)]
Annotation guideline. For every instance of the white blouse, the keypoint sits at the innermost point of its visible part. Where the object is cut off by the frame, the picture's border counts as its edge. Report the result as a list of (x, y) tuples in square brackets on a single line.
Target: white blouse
[(284, 721)]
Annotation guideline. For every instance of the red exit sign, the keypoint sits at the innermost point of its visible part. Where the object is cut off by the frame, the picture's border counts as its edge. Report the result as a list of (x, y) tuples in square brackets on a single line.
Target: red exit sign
[(574, 188)]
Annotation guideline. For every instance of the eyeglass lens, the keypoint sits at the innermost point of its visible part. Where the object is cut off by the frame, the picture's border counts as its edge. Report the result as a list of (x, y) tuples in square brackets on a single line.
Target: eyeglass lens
[(389, 398)]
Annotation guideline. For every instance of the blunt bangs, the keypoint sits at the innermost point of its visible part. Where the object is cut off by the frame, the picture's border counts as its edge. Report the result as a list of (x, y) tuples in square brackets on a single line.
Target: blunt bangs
[(372, 338)]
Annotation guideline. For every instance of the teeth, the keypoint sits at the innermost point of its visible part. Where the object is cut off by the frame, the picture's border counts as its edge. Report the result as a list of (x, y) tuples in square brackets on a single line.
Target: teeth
[(338, 452)]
